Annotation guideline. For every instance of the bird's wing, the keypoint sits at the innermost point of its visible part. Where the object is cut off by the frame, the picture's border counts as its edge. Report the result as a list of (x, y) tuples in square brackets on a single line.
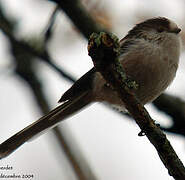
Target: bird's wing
[(84, 84)]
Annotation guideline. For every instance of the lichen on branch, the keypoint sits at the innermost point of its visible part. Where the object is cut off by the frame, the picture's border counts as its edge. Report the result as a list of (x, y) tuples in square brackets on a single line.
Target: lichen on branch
[(104, 50)]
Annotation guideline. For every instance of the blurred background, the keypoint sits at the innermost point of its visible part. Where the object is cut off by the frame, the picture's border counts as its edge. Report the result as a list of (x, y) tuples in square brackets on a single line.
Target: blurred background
[(41, 53)]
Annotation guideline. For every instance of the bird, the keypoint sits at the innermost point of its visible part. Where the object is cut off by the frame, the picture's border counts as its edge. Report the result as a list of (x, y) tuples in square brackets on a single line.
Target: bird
[(149, 55)]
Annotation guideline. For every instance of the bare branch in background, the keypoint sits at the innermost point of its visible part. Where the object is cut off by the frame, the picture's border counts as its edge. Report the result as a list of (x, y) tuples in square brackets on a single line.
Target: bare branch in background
[(41, 53), (48, 31), (79, 16), (175, 108), (23, 55)]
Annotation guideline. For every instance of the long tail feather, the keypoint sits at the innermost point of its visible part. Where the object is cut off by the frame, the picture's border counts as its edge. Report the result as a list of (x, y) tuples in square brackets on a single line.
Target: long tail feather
[(48, 121)]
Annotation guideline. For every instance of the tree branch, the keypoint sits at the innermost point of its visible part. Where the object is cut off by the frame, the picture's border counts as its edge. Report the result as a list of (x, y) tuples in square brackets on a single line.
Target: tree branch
[(87, 26), (79, 16), (175, 108), (42, 53), (104, 51)]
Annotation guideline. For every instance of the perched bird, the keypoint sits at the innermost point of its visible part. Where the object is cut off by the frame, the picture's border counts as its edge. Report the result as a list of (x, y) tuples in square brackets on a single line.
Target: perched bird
[(149, 55)]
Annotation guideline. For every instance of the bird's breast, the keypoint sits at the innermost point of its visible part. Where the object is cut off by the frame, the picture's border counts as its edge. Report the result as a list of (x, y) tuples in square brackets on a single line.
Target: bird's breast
[(152, 67)]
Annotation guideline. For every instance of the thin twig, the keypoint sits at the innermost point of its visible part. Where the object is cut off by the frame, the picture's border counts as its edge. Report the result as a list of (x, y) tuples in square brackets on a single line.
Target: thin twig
[(48, 29)]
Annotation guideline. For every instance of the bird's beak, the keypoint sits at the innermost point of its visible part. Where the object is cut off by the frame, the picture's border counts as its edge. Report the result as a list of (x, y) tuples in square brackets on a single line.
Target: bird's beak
[(176, 30)]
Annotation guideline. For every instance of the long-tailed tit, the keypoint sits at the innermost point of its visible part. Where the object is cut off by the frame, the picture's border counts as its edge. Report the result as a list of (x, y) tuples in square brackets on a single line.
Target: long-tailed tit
[(150, 56)]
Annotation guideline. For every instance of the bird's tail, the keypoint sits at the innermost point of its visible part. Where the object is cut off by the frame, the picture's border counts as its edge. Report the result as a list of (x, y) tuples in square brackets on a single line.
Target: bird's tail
[(48, 121)]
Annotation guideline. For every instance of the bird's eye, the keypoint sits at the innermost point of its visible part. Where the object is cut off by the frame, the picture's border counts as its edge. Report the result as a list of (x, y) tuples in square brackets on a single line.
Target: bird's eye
[(160, 29)]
